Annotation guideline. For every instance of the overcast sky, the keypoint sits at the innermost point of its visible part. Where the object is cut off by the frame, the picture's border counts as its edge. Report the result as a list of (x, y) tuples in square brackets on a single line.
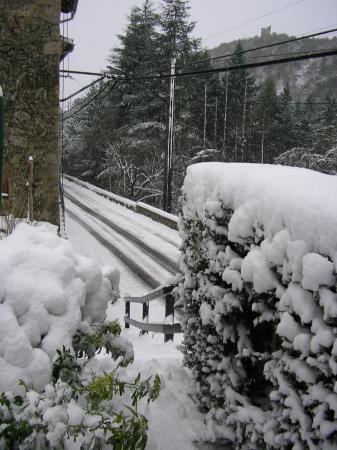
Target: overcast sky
[(97, 22)]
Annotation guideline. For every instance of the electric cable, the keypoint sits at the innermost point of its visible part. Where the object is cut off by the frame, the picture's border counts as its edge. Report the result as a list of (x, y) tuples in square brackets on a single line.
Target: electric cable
[(81, 72), (253, 20), (321, 33), (81, 90), (309, 55), (333, 30), (91, 99)]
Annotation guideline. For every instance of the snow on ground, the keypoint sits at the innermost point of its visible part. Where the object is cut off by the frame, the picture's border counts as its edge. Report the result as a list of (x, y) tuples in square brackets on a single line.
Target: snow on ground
[(122, 244), (148, 229), (174, 421), (47, 292)]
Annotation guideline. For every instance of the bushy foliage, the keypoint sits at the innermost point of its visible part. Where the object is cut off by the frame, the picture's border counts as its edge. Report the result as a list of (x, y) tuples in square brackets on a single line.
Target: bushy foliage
[(259, 314), (86, 404)]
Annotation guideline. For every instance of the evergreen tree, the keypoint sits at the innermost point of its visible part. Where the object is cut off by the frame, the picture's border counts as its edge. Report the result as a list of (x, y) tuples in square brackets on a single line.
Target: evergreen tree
[(330, 111), (176, 41), (267, 110), (136, 57), (285, 132), (240, 88), (325, 128), (139, 136)]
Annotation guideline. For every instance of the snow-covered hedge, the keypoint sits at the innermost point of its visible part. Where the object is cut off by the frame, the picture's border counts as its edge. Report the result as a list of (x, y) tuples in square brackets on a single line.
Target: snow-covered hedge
[(259, 304), (54, 391)]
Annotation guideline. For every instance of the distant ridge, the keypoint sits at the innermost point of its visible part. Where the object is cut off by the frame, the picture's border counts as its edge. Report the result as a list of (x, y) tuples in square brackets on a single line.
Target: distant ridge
[(317, 78)]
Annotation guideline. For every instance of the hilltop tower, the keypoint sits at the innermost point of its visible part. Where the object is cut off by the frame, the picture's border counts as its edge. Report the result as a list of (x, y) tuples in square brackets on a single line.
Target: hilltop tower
[(266, 31)]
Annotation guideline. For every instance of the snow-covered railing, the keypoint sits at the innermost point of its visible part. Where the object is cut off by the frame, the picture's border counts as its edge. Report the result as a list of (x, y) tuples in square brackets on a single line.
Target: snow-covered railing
[(156, 214), (106, 194), (168, 329), (259, 305)]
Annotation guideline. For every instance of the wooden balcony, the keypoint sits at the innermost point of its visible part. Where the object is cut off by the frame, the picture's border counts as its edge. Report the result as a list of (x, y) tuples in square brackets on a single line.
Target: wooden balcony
[(67, 46)]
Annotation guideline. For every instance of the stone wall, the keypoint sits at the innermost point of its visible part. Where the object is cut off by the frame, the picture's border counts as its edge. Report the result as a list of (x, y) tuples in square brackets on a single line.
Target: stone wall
[(29, 76)]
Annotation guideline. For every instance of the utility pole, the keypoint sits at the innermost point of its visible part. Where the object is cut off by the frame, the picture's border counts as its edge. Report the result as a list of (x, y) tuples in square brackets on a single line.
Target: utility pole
[(167, 204), (244, 122), (236, 142), (225, 117), (262, 139), (215, 122), (205, 115), (1, 141)]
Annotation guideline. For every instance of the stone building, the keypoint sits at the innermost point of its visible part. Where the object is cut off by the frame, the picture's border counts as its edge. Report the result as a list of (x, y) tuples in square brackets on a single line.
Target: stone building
[(30, 52)]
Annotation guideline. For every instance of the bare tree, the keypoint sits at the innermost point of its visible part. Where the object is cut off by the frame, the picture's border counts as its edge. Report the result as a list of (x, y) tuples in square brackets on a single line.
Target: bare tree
[(127, 178)]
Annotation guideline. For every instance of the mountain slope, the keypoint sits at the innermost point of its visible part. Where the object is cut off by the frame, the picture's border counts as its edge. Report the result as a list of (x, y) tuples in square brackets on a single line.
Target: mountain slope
[(316, 77)]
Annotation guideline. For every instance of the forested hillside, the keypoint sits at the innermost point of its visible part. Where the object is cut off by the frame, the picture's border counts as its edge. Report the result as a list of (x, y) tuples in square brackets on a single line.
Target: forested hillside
[(117, 136), (314, 78)]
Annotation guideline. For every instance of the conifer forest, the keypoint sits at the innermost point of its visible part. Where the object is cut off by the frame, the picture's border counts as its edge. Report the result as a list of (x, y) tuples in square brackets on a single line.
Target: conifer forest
[(119, 140)]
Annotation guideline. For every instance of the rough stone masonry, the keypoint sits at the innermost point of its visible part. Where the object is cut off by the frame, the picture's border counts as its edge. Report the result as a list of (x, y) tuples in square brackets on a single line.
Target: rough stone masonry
[(29, 75)]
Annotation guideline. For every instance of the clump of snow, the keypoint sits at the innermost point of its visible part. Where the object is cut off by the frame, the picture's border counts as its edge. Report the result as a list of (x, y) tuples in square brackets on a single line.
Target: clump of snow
[(206, 314), (301, 201), (317, 271), (258, 302), (47, 292)]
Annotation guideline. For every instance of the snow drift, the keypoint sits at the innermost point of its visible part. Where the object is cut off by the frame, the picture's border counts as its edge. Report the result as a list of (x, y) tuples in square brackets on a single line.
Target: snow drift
[(259, 304), (47, 293)]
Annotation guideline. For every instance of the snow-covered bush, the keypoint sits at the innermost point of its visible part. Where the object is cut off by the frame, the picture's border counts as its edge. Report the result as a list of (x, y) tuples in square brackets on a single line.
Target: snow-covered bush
[(54, 391), (259, 305)]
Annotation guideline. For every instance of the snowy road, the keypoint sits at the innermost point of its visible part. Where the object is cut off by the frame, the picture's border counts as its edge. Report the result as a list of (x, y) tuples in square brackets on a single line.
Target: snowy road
[(150, 250), (145, 251), (147, 254)]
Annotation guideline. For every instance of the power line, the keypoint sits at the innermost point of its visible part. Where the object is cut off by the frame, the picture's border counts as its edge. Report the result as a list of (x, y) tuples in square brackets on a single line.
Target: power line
[(80, 72), (255, 49), (104, 74), (81, 90), (304, 52), (253, 20), (310, 55), (256, 101), (266, 46), (91, 99)]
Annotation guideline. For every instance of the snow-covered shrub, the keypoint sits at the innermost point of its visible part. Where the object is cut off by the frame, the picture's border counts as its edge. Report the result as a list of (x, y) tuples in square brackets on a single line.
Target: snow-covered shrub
[(54, 391), (259, 304)]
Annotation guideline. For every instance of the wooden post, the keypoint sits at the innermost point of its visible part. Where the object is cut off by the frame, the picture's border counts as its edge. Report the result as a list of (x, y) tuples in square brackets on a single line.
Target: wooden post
[(169, 311), (145, 315), (30, 190), (127, 313), (225, 117), (244, 122), (215, 122), (205, 116)]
